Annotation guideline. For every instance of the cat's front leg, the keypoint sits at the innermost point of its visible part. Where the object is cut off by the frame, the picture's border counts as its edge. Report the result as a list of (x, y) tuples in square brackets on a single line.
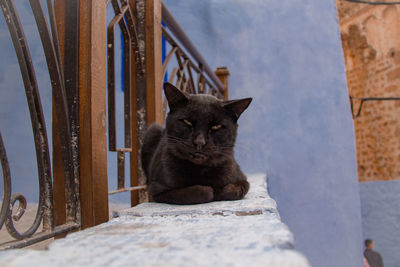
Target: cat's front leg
[(188, 195), (233, 191)]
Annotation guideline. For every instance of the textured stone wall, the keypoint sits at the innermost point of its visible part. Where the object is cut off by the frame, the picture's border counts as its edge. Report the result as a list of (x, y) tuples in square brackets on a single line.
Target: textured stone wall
[(371, 45)]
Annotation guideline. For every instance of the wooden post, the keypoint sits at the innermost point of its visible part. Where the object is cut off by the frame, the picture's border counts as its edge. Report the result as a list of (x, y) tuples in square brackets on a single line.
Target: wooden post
[(154, 105), (92, 112), (146, 90), (134, 155), (58, 167), (223, 73)]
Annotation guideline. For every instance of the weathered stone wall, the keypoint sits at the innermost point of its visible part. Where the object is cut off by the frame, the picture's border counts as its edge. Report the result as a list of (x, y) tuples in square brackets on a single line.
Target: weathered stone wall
[(371, 45)]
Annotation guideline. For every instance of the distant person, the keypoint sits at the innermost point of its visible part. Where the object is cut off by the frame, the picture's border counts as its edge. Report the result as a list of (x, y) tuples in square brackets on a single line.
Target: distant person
[(374, 258)]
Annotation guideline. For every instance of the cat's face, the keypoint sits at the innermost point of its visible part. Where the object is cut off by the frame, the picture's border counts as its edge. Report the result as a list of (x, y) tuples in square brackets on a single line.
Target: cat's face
[(202, 128)]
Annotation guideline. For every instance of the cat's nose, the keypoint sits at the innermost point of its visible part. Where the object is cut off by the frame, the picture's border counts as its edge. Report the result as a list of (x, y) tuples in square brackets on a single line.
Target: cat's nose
[(199, 141)]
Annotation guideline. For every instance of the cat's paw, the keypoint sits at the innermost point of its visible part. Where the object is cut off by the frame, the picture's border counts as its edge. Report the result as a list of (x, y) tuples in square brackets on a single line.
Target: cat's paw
[(195, 194), (203, 193), (234, 191)]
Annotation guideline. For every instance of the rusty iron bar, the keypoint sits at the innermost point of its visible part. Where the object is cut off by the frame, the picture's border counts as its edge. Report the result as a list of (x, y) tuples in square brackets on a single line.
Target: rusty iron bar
[(200, 83), (167, 59), (127, 189), (45, 210), (121, 169), (119, 19), (6, 183), (190, 66), (58, 230), (60, 97), (129, 17), (192, 87), (366, 99), (174, 27), (38, 126), (54, 33), (124, 18)]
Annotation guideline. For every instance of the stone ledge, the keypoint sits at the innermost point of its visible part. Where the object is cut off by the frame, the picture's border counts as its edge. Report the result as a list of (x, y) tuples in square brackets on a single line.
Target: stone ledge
[(257, 201), (153, 234)]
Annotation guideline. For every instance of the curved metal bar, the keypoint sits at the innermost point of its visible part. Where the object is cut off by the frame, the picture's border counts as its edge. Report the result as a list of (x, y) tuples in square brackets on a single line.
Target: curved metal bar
[(134, 38), (61, 108), (173, 25), (58, 230), (37, 118), (173, 75), (112, 139), (189, 70), (21, 208), (119, 19), (6, 182), (16, 217), (180, 53), (166, 62), (170, 80), (181, 73), (200, 83), (127, 71), (54, 34)]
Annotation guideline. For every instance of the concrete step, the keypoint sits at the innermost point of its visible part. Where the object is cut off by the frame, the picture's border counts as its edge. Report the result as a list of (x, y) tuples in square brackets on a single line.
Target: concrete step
[(226, 233)]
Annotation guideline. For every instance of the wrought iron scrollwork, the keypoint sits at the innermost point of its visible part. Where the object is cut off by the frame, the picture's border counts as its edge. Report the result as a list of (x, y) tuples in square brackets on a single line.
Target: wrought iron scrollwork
[(45, 210), (124, 18), (6, 183), (183, 75)]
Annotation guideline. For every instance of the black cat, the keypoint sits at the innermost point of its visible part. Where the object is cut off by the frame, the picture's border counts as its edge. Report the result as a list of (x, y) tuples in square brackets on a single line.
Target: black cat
[(192, 161)]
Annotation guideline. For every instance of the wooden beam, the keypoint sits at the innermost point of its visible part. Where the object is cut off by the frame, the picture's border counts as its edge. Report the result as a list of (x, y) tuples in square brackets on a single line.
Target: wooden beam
[(223, 74), (154, 103), (58, 167), (134, 155), (92, 112)]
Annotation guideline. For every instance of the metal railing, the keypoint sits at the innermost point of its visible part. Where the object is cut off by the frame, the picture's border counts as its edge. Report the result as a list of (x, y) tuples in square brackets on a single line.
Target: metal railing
[(45, 211), (125, 19), (75, 195), (189, 62)]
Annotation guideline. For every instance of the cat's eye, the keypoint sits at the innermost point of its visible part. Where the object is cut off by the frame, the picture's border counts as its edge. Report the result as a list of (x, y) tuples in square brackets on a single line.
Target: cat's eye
[(216, 127), (188, 123)]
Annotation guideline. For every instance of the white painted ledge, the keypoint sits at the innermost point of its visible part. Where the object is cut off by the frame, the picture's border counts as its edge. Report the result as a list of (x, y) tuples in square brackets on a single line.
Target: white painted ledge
[(227, 233)]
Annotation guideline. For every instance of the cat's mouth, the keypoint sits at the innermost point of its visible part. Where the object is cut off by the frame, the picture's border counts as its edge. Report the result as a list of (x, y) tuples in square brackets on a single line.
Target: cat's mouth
[(198, 157)]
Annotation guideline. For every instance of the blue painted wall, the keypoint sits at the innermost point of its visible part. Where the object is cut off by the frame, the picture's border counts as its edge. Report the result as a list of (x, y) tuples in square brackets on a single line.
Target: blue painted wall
[(287, 55), (380, 210)]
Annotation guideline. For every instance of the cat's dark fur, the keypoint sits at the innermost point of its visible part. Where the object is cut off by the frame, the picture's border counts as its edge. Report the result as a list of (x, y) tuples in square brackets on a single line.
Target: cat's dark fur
[(192, 161)]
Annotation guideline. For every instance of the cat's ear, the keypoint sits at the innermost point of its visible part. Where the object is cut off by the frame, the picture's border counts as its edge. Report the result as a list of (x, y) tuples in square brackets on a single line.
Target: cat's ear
[(175, 97), (236, 107)]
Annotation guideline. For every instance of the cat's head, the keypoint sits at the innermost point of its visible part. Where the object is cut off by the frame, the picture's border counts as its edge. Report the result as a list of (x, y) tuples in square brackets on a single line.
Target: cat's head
[(202, 128)]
